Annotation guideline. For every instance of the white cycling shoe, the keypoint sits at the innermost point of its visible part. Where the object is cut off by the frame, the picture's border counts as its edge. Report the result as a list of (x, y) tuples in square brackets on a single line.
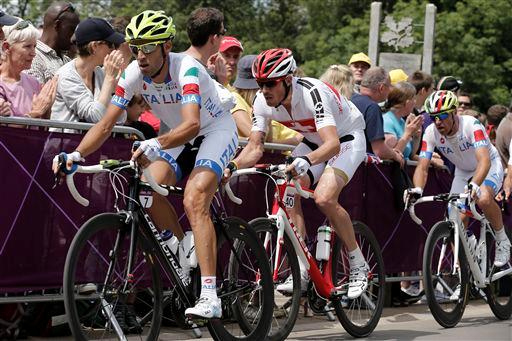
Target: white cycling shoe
[(502, 253), (287, 286), (206, 308), (358, 280)]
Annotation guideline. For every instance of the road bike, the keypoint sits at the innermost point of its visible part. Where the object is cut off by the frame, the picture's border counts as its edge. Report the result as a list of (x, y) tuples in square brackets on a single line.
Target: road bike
[(329, 278), (449, 269), (122, 257)]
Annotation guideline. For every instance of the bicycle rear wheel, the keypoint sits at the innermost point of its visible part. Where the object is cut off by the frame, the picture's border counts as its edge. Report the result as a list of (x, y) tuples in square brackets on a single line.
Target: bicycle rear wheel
[(499, 292), (244, 284), (446, 278), (360, 316), (98, 261), (286, 306)]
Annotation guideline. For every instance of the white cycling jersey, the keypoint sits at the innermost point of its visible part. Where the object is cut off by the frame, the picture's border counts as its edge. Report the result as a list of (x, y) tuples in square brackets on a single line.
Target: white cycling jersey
[(186, 82), (459, 148), (315, 105)]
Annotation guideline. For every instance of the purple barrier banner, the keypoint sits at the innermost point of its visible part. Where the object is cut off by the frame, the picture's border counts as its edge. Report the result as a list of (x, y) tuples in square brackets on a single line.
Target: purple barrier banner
[(37, 223)]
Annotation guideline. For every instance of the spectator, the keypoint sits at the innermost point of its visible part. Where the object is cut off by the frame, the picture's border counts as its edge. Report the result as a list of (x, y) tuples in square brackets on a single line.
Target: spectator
[(402, 130), (84, 89), (5, 20), (359, 63), (245, 90), (136, 107), (503, 138), (424, 84), (205, 29), (231, 50), (23, 92), (59, 23), (464, 102), (397, 76), (449, 83), (119, 24), (478, 115), (375, 88), (341, 78), (495, 115)]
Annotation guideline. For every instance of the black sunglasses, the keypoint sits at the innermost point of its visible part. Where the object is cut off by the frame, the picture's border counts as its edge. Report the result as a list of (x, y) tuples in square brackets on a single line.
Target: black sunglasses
[(269, 84), (68, 8), (223, 32)]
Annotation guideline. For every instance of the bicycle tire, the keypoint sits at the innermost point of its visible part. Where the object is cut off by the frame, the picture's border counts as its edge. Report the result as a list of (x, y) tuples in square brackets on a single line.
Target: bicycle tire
[(498, 298), (91, 251), (239, 242), (281, 326), (447, 311), (351, 312)]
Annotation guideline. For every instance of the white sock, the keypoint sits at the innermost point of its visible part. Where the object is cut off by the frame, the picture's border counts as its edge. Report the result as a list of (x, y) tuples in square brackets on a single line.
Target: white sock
[(355, 257), (501, 235), (209, 286)]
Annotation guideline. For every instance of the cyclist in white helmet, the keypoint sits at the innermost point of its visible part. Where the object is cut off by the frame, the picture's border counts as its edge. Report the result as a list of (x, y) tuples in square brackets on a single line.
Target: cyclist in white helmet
[(478, 168), (202, 140), (332, 149)]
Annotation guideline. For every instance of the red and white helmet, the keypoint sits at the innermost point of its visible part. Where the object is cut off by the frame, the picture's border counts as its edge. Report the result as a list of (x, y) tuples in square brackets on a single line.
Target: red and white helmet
[(273, 63)]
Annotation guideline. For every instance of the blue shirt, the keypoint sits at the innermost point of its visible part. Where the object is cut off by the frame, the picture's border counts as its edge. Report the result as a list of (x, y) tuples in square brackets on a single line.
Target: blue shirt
[(396, 126), (373, 118)]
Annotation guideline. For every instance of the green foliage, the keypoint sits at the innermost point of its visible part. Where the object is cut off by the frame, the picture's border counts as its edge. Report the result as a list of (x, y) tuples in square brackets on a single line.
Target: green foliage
[(472, 36)]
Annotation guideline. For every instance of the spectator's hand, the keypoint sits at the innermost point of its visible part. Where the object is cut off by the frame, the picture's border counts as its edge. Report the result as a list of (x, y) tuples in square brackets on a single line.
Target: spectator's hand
[(413, 123), (5, 108), (148, 151), (42, 102), (399, 157), (507, 186), (114, 65), (217, 64), (411, 195)]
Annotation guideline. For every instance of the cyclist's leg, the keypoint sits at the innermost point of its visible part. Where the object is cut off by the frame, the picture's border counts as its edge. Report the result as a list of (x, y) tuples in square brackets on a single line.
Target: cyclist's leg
[(338, 173), (214, 153), (161, 211), (492, 211)]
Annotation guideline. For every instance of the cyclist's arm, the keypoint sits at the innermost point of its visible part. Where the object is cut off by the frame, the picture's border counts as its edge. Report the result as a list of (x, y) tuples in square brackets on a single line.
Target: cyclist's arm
[(100, 131), (483, 165), (253, 151), (186, 130), (329, 147), (421, 173)]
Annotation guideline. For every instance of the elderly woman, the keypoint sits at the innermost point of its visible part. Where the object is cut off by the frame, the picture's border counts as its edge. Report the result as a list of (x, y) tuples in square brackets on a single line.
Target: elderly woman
[(23, 92), (85, 88)]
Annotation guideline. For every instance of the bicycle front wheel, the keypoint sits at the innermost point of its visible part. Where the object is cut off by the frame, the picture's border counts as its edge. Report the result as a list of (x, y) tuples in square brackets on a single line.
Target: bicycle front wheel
[(101, 294), (360, 316), (244, 284), (498, 292), (286, 303), (446, 278)]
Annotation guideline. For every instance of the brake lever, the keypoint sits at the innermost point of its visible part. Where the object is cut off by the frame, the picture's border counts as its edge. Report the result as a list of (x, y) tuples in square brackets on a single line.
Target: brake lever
[(57, 178)]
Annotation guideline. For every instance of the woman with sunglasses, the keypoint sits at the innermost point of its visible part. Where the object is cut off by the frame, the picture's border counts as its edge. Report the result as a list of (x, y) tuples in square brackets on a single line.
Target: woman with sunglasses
[(478, 168), (22, 91), (85, 87)]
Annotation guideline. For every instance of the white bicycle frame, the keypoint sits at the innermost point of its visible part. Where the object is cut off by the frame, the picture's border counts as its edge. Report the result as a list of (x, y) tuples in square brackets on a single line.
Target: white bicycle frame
[(477, 258)]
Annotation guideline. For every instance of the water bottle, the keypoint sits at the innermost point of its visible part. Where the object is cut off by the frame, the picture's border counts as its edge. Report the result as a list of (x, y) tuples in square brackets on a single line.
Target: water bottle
[(323, 244), (188, 256), (170, 239)]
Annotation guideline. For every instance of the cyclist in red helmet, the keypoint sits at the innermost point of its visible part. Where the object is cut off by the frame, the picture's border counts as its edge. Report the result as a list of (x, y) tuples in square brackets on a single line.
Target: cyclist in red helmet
[(333, 147)]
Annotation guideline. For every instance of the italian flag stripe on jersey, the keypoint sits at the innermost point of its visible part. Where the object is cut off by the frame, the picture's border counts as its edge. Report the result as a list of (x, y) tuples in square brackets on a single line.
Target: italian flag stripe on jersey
[(191, 80)]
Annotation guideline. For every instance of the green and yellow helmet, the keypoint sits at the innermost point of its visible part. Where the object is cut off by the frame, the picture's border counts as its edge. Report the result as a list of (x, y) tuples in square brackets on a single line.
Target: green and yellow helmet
[(150, 25), (440, 101)]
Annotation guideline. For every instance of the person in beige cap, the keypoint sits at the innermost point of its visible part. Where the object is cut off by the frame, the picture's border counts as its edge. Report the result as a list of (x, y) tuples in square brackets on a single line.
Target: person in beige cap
[(359, 63)]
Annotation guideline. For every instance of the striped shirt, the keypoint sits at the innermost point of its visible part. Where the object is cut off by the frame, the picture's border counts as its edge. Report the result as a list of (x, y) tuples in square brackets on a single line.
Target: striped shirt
[(46, 62)]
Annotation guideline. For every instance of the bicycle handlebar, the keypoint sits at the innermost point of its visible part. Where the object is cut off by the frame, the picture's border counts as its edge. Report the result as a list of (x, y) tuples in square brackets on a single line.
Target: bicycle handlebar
[(446, 197), (267, 170), (102, 168)]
